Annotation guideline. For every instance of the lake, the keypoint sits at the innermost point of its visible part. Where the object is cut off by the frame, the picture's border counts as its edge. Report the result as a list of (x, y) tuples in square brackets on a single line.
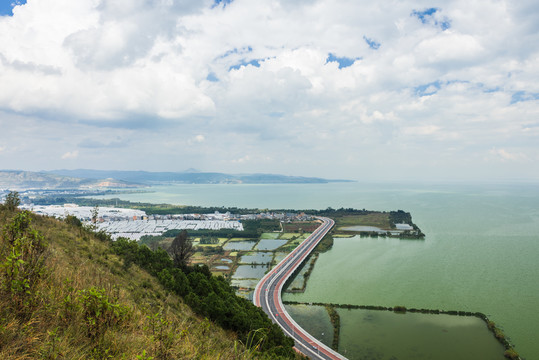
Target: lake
[(479, 254)]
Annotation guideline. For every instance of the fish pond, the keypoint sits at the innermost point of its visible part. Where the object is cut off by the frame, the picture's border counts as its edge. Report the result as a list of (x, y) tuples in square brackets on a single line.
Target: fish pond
[(239, 245), (257, 258), (250, 271), (269, 244)]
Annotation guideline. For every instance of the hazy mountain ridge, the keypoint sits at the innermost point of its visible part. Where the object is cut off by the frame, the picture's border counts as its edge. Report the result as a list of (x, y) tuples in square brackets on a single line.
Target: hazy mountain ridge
[(18, 179), (190, 177)]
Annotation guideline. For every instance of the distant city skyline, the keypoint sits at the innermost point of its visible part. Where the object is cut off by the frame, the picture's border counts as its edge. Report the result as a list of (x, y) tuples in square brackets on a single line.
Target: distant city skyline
[(407, 90)]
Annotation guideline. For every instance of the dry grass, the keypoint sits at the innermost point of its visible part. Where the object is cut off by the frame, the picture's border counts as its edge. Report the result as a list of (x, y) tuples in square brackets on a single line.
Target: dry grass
[(156, 324)]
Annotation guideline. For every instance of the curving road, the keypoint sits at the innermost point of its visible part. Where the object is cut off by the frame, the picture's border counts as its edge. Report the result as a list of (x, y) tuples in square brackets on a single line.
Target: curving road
[(268, 296)]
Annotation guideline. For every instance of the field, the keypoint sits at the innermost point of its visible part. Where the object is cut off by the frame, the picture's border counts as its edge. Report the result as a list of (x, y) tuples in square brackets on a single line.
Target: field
[(378, 219)]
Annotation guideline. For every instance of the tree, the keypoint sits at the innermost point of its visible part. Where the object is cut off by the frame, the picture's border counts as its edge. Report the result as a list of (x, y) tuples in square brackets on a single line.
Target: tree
[(95, 214), (181, 249), (73, 220), (12, 201)]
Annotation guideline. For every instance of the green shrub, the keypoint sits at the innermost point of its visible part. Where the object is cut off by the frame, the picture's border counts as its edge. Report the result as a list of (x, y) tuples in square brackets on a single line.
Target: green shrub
[(21, 261), (100, 313), (511, 354)]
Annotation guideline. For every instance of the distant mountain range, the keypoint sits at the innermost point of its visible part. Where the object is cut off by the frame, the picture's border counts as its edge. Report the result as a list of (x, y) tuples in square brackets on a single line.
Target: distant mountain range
[(190, 176), (91, 179), (26, 180)]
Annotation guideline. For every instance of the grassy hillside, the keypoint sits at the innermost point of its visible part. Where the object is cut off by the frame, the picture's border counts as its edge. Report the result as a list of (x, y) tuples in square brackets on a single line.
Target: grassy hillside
[(66, 294)]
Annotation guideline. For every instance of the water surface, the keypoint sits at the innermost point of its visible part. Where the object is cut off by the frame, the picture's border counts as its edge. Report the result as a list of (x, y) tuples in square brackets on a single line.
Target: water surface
[(250, 272), (239, 245), (268, 244), (257, 258)]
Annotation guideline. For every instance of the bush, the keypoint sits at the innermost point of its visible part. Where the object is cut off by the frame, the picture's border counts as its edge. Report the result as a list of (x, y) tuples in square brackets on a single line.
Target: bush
[(100, 313), (22, 259), (12, 201), (73, 220), (511, 354)]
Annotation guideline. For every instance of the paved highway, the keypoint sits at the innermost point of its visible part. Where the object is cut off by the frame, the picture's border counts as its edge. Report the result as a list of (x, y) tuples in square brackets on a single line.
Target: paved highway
[(268, 296)]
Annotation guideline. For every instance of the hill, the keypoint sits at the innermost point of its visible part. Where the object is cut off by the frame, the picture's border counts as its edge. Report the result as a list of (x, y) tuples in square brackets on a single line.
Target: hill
[(17, 180), (69, 294), (190, 177)]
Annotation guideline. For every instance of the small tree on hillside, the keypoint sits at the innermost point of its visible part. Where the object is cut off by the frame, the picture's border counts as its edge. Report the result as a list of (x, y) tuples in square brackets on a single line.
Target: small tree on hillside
[(95, 214), (181, 249), (12, 201)]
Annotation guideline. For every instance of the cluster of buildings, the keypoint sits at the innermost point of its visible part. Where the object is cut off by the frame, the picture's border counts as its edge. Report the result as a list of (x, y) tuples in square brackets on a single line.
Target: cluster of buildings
[(281, 216), (133, 224), (135, 229), (85, 213)]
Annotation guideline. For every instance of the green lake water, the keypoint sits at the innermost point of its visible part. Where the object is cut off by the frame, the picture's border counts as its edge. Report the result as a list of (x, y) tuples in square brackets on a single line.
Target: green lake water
[(480, 252)]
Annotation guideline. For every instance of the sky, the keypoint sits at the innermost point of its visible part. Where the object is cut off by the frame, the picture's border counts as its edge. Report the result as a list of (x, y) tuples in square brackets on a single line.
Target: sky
[(350, 89)]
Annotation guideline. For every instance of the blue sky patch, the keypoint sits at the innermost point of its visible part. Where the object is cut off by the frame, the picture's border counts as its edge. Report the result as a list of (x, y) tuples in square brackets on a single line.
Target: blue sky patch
[(6, 6), (342, 61), (234, 51), (520, 96), (219, 2), (372, 43), (276, 114), (489, 90), (427, 16), (254, 62), (428, 89), (212, 77)]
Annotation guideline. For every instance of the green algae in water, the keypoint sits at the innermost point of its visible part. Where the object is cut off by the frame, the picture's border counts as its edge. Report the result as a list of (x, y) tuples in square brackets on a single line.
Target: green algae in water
[(384, 335)]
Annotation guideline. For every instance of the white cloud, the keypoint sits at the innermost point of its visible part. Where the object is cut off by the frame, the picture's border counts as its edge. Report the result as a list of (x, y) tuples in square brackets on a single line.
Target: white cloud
[(422, 130), (504, 155), (183, 80), (241, 160), (70, 155)]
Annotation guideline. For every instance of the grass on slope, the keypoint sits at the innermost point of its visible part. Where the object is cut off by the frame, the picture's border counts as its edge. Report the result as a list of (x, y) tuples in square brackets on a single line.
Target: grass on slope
[(65, 295)]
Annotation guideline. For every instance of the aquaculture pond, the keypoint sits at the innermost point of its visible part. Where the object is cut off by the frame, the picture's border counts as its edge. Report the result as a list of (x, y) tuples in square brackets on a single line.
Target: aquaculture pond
[(384, 335), (222, 267), (250, 272), (239, 245), (269, 244), (257, 258)]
